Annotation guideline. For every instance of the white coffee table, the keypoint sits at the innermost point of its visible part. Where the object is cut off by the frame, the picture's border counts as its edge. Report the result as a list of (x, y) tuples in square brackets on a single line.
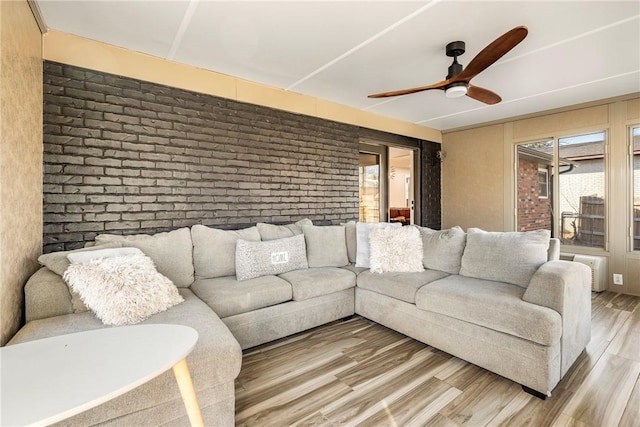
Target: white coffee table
[(48, 380)]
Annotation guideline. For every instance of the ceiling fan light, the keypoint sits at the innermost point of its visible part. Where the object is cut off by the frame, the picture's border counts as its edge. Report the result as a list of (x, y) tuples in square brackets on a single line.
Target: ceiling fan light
[(456, 91)]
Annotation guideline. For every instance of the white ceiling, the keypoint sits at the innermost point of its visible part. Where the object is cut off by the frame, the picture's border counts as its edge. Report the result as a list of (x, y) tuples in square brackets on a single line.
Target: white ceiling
[(342, 51)]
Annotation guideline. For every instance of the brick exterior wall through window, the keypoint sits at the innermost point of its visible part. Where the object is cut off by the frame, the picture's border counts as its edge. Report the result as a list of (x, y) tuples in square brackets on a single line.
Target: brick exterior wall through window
[(534, 212)]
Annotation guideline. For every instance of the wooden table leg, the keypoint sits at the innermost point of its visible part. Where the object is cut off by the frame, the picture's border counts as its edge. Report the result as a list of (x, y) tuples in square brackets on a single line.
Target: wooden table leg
[(185, 384)]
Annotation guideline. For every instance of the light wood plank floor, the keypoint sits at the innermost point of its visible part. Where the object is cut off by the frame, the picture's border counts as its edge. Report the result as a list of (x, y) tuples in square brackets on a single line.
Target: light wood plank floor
[(357, 372)]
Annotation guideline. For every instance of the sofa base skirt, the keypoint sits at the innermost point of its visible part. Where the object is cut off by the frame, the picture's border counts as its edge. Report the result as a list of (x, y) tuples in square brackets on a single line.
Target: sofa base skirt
[(520, 360), (278, 321)]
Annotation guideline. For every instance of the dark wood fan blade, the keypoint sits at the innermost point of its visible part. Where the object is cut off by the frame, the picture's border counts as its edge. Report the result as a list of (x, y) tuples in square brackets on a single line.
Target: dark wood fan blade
[(439, 85), (494, 51), (483, 95)]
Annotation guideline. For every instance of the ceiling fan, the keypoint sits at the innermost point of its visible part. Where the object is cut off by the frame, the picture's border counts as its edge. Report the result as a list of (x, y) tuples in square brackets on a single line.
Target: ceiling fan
[(457, 81)]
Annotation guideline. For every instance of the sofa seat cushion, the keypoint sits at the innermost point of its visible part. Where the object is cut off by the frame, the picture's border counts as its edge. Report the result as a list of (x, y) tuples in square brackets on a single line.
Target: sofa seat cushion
[(317, 281), (216, 358), (228, 296), (494, 305), (355, 270), (402, 286)]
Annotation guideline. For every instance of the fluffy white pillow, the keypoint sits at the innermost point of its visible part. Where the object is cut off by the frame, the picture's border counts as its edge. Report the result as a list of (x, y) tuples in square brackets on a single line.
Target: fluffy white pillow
[(362, 236), (396, 250), (255, 259), (85, 257), (122, 290)]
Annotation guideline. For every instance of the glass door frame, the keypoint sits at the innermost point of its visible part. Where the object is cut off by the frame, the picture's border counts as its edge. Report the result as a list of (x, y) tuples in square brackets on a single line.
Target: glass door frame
[(381, 149), (382, 152)]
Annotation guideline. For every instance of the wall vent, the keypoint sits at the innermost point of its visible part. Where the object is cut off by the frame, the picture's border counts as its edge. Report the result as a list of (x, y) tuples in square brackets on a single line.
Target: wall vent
[(598, 266)]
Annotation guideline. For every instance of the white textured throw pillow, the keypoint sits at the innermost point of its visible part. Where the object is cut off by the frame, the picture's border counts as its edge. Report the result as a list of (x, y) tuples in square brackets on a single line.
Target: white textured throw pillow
[(85, 257), (122, 290), (396, 250), (255, 259), (362, 236)]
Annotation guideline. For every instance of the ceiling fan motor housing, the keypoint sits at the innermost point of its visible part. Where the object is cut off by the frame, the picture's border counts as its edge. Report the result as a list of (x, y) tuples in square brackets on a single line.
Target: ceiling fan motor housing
[(455, 49), (454, 69)]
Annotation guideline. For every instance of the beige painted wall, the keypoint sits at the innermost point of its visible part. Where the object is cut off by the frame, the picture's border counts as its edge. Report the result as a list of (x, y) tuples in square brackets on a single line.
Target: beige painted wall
[(479, 174), (20, 158), (70, 49), (472, 178), (397, 187)]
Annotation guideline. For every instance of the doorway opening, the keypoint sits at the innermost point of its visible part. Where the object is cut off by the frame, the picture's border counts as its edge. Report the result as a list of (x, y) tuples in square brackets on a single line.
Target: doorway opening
[(387, 177), (401, 191)]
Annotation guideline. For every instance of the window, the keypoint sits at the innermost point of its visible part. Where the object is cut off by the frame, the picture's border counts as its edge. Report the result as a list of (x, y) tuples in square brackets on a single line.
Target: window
[(634, 149), (535, 167), (543, 183), (575, 211), (582, 190)]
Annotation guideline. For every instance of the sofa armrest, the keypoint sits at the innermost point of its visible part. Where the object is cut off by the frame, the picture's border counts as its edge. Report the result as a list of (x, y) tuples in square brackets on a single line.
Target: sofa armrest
[(565, 287), (46, 295)]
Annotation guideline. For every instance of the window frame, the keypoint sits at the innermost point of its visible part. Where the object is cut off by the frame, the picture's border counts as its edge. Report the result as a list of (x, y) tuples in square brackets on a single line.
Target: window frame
[(631, 194), (546, 183), (554, 183)]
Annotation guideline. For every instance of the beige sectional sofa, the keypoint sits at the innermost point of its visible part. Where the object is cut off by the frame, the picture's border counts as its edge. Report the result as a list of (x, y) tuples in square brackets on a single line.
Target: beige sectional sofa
[(529, 332)]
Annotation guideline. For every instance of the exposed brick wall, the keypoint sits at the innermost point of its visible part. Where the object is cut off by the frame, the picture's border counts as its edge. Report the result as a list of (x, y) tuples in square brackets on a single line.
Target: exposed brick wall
[(534, 213), (125, 156)]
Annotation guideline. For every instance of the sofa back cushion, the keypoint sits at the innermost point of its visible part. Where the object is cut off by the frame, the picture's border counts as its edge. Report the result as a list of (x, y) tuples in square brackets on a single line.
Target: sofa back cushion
[(510, 257), (171, 252), (214, 251), (352, 241), (58, 261), (553, 254), (273, 257), (442, 249), (273, 232), (326, 245)]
